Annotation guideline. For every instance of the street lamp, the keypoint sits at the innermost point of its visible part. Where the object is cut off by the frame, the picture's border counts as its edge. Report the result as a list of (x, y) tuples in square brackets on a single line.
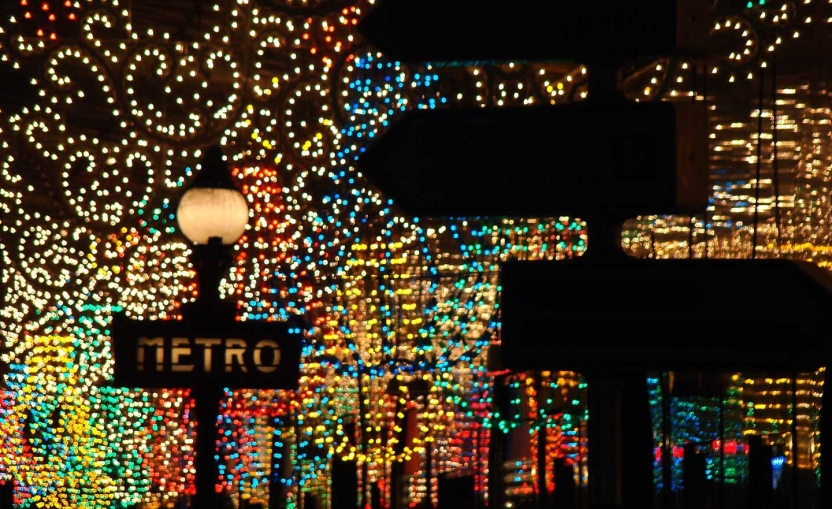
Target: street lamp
[(209, 349), (212, 214), (212, 207)]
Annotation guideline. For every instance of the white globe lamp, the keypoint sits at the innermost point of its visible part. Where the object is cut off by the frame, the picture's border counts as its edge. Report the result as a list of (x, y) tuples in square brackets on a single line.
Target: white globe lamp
[(212, 214), (212, 207)]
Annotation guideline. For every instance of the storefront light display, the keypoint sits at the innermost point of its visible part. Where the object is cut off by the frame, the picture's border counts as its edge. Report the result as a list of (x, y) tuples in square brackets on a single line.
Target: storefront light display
[(56, 449), (774, 407), (703, 419), (111, 104)]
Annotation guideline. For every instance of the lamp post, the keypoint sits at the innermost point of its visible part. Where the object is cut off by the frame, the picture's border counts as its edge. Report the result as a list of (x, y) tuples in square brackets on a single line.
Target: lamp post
[(208, 349), (212, 215)]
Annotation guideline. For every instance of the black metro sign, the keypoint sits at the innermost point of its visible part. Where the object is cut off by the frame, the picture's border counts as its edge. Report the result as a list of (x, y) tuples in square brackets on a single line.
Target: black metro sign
[(167, 353)]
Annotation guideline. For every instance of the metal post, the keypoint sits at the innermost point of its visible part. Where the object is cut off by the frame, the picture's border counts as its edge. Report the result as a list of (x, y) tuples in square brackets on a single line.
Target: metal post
[(207, 401), (604, 435), (636, 442), (210, 262), (604, 232), (542, 494), (760, 490)]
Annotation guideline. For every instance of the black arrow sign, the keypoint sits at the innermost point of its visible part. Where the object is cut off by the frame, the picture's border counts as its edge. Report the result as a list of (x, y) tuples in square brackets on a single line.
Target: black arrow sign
[(632, 158), (472, 30), (665, 315)]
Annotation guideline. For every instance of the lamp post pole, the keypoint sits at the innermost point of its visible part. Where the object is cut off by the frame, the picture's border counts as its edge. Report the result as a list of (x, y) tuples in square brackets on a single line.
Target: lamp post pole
[(212, 215), (210, 261), (207, 401)]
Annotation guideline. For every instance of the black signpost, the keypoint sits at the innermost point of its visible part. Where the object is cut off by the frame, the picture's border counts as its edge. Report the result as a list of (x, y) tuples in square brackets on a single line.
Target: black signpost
[(208, 350), (603, 161)]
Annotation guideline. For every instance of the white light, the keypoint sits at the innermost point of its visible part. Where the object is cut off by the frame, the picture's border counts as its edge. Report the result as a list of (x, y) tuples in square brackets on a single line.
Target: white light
[(206, 212)]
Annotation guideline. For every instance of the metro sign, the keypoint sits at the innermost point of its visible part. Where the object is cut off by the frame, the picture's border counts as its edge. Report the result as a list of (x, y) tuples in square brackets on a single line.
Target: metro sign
[(168, 353), (226, 355)]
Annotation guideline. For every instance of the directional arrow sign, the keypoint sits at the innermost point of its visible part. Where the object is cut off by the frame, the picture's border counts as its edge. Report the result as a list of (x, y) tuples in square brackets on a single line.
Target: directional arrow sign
[(472, 30), (633, 158), (665, 315)]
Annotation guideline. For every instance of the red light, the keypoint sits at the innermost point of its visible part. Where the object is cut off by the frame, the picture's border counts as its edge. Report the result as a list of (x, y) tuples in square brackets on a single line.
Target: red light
[(731, 447)]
